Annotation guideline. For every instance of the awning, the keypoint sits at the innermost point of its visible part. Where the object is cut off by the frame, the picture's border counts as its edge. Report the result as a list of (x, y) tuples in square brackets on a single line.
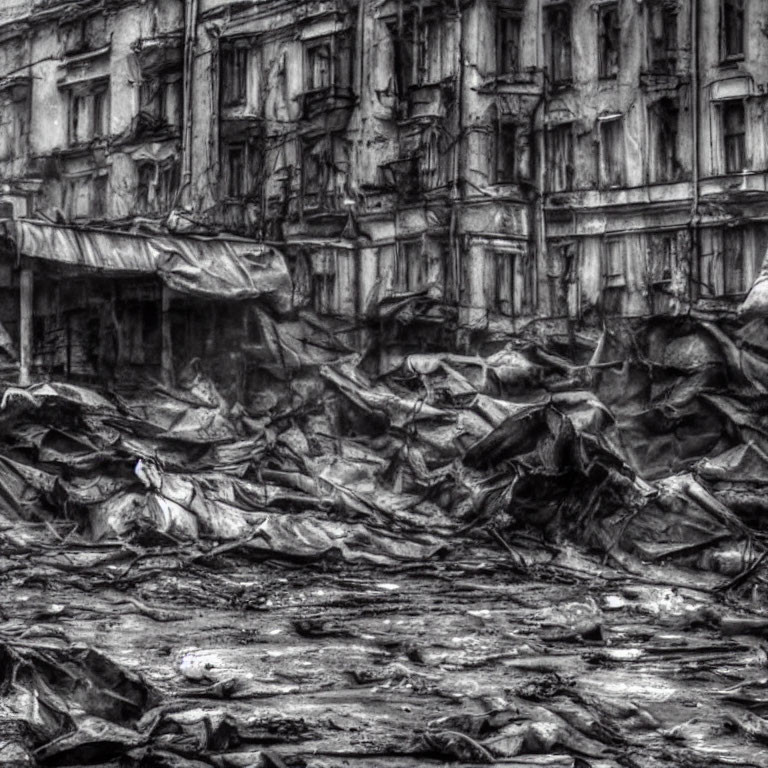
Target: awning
[(206, 267)]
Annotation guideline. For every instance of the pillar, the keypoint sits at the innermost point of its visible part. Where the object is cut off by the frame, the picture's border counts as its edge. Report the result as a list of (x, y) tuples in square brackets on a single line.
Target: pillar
[(25, 326), (166, 350)]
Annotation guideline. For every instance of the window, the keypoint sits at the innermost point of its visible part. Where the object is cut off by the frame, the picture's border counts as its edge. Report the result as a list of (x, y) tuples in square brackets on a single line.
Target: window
[(88, 113), (100, 113), (613, 263), (608, 40), (734, 281), (100, 196), (560, 158), (76, 117), (508, 287), (505, 152), (558, 20), (319, 65), (14, 106), (411, 266), (324, 263), (663, 121), (234, 74), (731, 29), (662, 249), (160, 98), (662, 38), (236, 171), (420, 40), (156, 186), (507, 44), (611, 152), (734, 136)]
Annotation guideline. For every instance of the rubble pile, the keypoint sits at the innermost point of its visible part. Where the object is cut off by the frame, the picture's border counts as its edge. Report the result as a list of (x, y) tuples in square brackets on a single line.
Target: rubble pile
[(645, 447)]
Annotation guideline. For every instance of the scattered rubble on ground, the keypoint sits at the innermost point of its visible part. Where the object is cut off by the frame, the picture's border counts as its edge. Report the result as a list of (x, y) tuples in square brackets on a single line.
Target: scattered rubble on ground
[(549, 555)]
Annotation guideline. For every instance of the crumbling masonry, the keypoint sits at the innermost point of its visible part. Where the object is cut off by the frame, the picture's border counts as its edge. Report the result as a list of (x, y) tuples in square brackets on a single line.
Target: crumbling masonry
[(434, 173)]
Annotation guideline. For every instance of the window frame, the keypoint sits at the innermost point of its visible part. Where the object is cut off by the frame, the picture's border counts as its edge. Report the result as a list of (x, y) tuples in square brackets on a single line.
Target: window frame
[(728, 14), (554, 169), (729, 135), (234, 60), (604, 10), (728, 234), (658, 56), (607, 181), (614, 279), (554, 42), (659, 174), (500, 143), (411, 267), (505, 18)]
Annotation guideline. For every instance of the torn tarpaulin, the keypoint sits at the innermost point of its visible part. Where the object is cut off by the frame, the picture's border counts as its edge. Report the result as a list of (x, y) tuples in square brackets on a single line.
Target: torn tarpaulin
[(207, 267)]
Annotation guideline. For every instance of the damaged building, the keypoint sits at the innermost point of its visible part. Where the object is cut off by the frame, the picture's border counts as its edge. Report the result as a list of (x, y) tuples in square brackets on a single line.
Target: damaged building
[(436, 173)]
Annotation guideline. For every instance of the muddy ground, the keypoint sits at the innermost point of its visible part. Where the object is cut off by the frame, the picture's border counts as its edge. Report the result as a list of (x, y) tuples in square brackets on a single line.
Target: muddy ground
[(548, 658)]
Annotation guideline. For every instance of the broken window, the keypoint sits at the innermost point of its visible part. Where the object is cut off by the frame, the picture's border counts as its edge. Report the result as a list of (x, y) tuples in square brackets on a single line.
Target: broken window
[(234, 74), (734, 136), (558, 19), (662, 38), (507, 43), (560, 157), (731, 29), (505, 152), (734, 272), (664, 120), (611, 152), (411, 266), (608, 40)]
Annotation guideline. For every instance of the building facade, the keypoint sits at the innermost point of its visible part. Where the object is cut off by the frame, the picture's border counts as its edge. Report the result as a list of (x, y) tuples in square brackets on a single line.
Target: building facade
[(455, 168)]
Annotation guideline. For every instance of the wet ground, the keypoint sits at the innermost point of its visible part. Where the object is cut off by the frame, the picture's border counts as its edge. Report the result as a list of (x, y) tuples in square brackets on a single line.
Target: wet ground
[(534, 657)]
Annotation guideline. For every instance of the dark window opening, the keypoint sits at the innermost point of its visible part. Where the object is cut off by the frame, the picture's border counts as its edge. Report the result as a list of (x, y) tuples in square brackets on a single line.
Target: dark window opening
[(507, 44), (99, 200), (731, 29), (664, 131), (505, 152), (734, 136), (100, 113), (234, 74), (236, 171), (559, 37), (611, 152), (608, 40), (560, 170), (734, 272), (76, 109), (662, 38)]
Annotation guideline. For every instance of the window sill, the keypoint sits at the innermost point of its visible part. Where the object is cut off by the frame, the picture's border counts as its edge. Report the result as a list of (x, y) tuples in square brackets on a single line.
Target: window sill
[(730, 62)]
